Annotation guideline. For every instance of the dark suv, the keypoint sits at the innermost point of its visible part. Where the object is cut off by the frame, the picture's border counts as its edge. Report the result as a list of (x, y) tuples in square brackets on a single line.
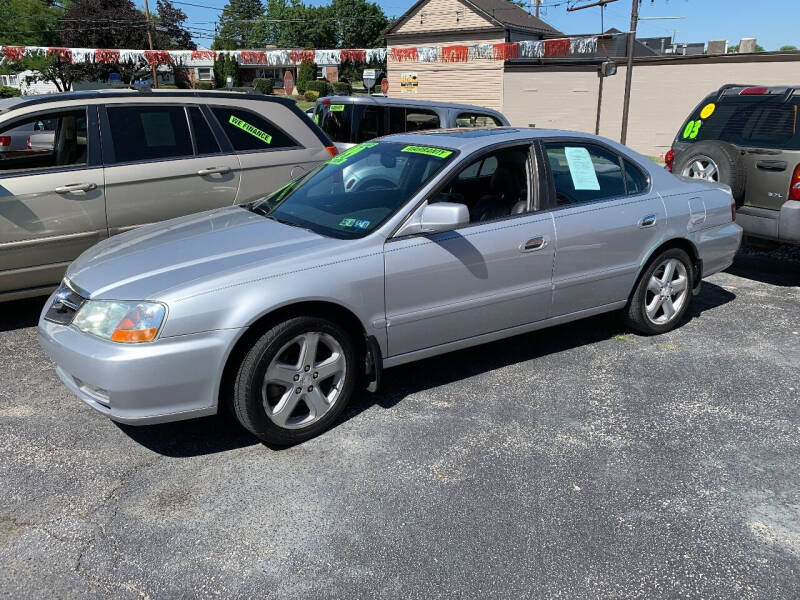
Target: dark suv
[(749, 138)]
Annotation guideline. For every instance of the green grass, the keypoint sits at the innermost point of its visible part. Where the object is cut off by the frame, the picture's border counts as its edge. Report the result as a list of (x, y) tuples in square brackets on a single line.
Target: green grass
[(655, 159), (304, 104)]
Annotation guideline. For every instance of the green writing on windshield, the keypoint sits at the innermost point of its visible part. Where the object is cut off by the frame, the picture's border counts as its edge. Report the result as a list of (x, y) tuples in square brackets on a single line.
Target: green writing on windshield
[(336, 108), (427, 150), (341, 158), (254, 131)]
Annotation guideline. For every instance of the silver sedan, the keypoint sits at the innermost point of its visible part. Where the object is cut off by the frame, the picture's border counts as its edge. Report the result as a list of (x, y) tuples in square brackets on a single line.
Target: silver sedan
[(282, 307)]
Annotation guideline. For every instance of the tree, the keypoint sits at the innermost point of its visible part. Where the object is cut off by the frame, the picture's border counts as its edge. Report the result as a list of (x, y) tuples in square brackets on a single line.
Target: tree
[(62, 73), (307, 71), (29, 23), (226, 66), (787, 48), (735, 49), (104, 24), (171, 33), (360, 24), (235, 24)]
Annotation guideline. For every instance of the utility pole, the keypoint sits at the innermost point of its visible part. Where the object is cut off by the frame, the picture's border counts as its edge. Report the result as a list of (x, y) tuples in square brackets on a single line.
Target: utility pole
[(629, 71), (150, 41), (538, 2)]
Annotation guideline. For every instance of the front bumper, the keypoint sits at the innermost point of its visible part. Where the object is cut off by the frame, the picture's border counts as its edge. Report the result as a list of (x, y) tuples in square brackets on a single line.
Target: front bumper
[(168, 380)]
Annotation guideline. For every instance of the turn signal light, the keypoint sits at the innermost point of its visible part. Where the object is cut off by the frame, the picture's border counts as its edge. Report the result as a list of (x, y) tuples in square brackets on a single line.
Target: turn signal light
[(133, 336), (794, 186)]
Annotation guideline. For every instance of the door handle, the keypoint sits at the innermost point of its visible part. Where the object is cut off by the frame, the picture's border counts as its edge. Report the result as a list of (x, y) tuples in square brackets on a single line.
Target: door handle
[(214, 171), (771, 165), (648, 221), (533, 244), (75, 188)]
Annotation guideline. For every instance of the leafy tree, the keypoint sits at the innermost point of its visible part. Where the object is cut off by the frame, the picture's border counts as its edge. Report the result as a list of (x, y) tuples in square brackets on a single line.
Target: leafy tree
[(172, 34), (224, 66), (104, 24), (29, 22), (235, 24), (58, 72), (787, 48), (360, 24), (306, 72), (735, 49)]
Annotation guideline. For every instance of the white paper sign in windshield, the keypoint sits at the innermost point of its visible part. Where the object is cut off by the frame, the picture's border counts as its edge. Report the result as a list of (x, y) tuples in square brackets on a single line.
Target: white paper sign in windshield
[(581, 168)]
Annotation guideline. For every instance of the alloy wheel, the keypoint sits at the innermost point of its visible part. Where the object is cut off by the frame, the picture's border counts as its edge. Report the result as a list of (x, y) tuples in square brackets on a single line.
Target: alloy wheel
[(702, 167), (304, 380), (667, 291)]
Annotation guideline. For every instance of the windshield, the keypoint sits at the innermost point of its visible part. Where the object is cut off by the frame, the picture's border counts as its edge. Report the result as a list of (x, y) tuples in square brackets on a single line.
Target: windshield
[(356, 191)]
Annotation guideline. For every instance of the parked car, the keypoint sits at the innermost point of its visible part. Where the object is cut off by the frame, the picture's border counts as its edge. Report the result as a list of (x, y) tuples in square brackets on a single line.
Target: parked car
[(748, 137), (280, 307), (350, 120), (18, 139), (93, 164)]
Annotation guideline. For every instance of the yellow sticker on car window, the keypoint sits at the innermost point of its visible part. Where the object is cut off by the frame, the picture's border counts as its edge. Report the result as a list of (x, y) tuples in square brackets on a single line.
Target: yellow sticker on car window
[(316, 118), (252, 130), (340, 158), (708, 110), (336, 108), (427, 150)]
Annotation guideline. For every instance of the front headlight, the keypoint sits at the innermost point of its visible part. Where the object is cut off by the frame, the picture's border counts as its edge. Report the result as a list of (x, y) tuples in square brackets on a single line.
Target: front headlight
[(118, 321)]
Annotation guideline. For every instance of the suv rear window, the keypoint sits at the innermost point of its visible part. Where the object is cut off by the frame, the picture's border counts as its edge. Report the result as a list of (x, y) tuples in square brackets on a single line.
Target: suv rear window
[(335, 120), (746, 121)]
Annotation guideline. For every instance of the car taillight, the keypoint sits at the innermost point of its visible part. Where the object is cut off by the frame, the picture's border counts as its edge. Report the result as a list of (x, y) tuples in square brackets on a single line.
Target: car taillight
[(5, 140), (669, 159), (753, 91), (332, 150), (794, 186)]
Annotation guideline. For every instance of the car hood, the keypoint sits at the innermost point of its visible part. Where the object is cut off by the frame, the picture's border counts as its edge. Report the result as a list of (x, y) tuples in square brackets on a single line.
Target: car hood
[(194, 253)]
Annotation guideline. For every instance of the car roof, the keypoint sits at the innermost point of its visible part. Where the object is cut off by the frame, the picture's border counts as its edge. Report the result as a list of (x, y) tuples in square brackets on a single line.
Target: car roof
[(468, 139), (389, 101), (9, 104)]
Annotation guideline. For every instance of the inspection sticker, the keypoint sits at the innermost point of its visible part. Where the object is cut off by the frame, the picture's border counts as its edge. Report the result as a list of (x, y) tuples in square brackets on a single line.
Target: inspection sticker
[(340, 158), (336, 108), (427, 150), (362, 224), (347, 223), (254, 131)]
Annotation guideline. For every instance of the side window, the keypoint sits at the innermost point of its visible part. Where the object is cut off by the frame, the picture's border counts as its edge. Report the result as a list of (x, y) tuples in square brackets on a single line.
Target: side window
[(204, 139), (584, 172), (149, 132), (369, 124), (496, 195), (477, 120), (418, 119), (397, 119), (635, 180), (249, 131), (53, 140)]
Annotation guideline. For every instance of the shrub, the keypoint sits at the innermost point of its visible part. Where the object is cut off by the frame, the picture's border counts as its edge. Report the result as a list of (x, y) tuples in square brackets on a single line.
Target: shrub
[(203, 85), (342, 88), (311, 96), (9, 92), (263, 85), (306, 72), (321, 86)]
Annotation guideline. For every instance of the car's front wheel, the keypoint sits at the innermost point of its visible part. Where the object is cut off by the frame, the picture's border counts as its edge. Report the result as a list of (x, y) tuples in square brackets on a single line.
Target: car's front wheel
[(663, 293), (295, 380)]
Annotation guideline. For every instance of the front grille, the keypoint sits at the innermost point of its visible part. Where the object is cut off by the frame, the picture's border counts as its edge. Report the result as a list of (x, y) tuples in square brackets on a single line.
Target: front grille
[(66, 303)]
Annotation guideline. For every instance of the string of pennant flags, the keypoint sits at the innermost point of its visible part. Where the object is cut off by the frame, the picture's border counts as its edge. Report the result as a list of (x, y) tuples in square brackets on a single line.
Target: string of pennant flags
[(551, 48)]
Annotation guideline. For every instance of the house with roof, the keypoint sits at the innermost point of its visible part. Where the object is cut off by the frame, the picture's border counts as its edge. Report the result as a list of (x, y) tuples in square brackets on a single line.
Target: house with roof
[(454, 25)]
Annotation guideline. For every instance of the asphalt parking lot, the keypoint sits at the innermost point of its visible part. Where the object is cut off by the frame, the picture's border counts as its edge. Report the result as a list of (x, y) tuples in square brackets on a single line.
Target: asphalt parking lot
[(577, 462)]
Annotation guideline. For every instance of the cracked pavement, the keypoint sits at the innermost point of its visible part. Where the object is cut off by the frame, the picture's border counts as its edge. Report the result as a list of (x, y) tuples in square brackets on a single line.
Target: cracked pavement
[(581, 461)]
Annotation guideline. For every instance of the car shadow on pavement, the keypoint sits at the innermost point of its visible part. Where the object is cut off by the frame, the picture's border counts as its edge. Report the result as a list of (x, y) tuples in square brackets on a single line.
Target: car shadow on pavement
[(19, 314), (765, 268)]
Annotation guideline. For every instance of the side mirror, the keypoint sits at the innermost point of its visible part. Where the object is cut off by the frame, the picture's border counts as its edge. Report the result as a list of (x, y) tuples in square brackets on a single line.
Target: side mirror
[(432, 218)]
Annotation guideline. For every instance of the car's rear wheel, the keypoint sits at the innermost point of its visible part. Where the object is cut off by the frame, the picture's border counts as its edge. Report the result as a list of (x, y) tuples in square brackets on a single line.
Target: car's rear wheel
[(663, 293), (295, 380), (714, 161)]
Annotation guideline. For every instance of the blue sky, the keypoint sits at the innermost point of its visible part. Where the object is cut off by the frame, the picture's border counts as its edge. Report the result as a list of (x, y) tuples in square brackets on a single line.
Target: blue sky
[(773, 22)]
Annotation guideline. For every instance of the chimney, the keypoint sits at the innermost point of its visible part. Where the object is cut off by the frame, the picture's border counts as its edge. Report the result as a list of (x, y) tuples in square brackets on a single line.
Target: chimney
[(747, 46), (718, 47)]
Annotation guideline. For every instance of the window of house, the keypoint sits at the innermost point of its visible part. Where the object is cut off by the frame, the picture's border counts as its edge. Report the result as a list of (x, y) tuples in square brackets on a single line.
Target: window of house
[(248, 131), (204, 73), (149, 132), (58, 139), (584, 172)]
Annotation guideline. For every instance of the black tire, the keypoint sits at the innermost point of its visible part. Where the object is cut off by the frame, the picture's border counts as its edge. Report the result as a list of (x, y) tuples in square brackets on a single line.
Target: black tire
[(635, 314), (728, 160), (246, 397)]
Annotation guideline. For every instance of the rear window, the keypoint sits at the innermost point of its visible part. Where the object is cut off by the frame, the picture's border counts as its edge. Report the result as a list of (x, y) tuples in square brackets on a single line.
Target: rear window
[(248, 131), (746, 121), (335, 120), (473, 119)]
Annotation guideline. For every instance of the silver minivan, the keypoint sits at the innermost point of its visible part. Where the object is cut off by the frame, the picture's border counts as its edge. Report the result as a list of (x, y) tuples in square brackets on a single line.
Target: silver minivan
[(121, 159), (350, 120)]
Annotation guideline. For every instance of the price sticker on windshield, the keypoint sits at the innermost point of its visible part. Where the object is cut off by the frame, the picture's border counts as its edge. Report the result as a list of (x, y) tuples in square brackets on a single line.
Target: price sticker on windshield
[(428, 151), (336, 108)]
